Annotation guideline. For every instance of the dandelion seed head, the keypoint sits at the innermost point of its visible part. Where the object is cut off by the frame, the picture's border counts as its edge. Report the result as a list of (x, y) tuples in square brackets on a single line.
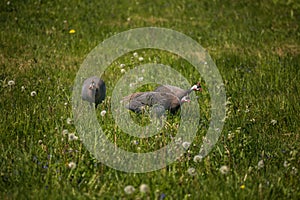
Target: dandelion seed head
[(144, 188), (129, 189), (135, 54), (103, 112), (123, 71), (198, 158), (33, 93), (69, 120), (186, 145), (11, 83), (191, 171), (65, 132), (122, 65), (141, 59), (72, 137), (72, 165), (224, 169)]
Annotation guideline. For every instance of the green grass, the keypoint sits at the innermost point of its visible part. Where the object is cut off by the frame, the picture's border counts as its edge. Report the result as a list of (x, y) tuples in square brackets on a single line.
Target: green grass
[(256, 47)]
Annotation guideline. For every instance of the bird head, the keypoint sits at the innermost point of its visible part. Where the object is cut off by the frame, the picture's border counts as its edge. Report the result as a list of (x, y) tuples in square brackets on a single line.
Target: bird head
[(197, 87)]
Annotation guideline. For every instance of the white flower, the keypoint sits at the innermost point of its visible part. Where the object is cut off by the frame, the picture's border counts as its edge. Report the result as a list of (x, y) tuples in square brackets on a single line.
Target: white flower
[(191, 171), (135, 142), (40, 141), (273, 122), (144, 188), (123, 71), (69, 120), (186, 145), (198, 158), (224, 169), (72, 137), (72, 165), (103, 112), (22, 88), (294, 170), (33, 93), (140, 78), (286, 164), (141, 59), (11, 83), (129, 189), (260, 164), (135, 54), (65, 132), (122, 65)]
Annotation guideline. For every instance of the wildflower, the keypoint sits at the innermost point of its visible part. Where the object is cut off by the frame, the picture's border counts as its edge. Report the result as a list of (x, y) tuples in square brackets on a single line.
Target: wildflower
[(273, 122), (141, 59), (191, 171), (129, 189), (72, 137), (72, 165), (141, 78), (33, 93), (103, 112), (294, 170), (286, 164), (69, 121), (144, 188), (186, 145), (11, 83), (123, 71), (40, 141), (72, 31), (224, 169), (162, 196), (22, 88), (198, 158), (242, 186), (66, 103), (122, 65), (260, 164), (65, 132), (135, 54), (135, 142)]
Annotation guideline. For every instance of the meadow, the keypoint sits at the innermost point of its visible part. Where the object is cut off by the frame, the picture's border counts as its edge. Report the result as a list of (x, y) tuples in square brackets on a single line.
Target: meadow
[(254, 44)]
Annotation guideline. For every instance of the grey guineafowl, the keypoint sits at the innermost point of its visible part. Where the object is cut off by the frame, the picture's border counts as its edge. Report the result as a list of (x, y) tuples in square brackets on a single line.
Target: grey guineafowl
[(161, 100), (93, 90), (178, 91)]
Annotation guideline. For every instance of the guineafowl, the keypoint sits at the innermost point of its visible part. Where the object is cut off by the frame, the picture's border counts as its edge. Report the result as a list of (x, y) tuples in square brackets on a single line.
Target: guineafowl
[(165, 101), (93, 90)]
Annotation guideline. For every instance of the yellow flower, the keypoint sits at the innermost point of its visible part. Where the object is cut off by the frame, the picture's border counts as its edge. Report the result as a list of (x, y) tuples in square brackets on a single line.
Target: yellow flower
[(72, 31), (242, 186)]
